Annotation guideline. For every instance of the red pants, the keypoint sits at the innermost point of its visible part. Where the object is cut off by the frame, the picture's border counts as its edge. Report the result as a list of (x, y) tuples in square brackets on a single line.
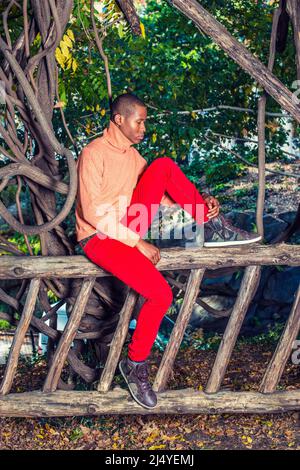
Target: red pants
[(131, 266)]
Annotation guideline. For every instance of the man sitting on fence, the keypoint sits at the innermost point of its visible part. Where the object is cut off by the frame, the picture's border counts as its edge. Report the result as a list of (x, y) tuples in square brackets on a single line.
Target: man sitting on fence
[(115, 184)]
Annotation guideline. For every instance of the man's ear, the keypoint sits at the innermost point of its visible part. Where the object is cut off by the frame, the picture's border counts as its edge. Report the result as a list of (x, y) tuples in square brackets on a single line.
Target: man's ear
[(118, 119)]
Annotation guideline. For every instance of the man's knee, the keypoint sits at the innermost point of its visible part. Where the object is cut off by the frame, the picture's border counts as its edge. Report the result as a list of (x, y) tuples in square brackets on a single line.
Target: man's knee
[(164, 162)]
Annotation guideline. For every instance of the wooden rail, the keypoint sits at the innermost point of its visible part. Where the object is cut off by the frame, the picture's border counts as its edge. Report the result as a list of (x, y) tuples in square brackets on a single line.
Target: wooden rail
[(118, 401), (51, 402), (20, 267)]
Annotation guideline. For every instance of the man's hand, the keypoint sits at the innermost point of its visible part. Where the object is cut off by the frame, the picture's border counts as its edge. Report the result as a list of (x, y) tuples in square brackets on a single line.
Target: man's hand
[(149, 250), (213, 205)]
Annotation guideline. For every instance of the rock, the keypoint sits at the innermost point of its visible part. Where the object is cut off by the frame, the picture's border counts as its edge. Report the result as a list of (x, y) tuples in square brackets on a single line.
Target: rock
[(282, 285), (236, 280), (246, 221), (287, 217), (251, 313), (266, 313), (265, 274), (243, 220), (272, 227), (201, 316)]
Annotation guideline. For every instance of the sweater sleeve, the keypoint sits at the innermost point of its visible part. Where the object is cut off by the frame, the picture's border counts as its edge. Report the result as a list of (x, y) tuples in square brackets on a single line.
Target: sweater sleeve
[(99, 215)]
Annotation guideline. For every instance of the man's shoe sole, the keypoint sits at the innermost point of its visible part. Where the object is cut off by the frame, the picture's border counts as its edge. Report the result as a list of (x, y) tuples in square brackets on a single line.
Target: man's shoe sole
[(131, 392), (232, 243)]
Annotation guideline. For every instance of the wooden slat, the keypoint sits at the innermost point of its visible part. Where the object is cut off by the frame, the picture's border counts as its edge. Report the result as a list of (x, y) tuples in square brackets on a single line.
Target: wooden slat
[(283, 350), (117, 342), (170, 402), (19, 336), (247, 291), (68, 336), (182, 320), (19, 267)]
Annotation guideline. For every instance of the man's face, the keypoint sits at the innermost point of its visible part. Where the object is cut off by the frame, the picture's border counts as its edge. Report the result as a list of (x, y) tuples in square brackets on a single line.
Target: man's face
[(133, 126)]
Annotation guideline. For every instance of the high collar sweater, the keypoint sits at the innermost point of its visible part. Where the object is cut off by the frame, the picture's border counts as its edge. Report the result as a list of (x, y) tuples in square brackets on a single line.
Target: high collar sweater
[(108, 171)]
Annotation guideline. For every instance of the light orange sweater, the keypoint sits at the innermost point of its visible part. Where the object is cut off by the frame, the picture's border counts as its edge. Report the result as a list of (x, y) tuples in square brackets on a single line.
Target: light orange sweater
[(108, 170)]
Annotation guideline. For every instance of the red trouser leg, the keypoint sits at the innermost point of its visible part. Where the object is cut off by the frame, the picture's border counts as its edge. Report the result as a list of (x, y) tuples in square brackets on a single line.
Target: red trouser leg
[(139, 273), (163, 175), (131, 266)]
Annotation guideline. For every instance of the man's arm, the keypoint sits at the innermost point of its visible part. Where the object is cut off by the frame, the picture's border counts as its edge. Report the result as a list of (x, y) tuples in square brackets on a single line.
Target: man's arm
[(95, 212)]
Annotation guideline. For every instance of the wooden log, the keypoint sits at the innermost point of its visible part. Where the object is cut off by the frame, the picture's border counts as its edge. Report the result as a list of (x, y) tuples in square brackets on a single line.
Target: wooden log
[(19, 336), (179, 328), (247, 290), (21, 267), (117, 342), (240, 54), (87, 373), (119, 401), (84, 371), (283, 350), (129, 11), (68, 336), (36, 174)]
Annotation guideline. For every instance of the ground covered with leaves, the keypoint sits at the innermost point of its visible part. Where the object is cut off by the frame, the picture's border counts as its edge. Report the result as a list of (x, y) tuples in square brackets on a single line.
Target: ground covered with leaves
[(189, 432)]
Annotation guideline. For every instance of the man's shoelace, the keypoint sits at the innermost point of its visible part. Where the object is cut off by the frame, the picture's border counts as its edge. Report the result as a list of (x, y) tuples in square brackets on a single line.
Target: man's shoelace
[(142, 372), (220, 227)]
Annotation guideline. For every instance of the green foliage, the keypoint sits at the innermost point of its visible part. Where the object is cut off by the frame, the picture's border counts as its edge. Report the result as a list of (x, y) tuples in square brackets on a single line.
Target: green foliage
[(76, 434), (270, 337), (19, 241), (172, 67), (4, 325), (175, 67), (52, 297), (206, 341), (222, 167)]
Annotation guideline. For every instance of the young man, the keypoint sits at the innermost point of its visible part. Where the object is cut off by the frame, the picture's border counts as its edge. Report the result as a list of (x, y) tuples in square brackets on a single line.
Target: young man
[(114, 185)]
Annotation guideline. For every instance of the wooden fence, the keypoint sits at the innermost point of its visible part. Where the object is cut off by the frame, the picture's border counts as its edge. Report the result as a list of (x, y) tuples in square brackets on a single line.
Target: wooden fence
[(52, 402)]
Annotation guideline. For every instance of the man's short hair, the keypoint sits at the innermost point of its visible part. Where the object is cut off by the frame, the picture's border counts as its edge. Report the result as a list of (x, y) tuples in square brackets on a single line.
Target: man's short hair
[(124, 105)]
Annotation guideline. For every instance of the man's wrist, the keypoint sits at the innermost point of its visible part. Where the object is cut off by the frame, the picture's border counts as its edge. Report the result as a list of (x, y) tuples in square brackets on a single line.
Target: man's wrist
[(138, 241)]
